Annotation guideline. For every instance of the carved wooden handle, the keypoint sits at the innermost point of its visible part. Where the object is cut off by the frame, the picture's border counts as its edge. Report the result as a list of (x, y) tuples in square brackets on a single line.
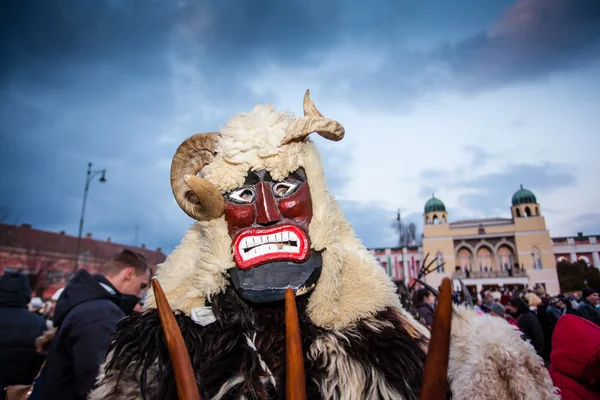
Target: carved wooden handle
[(435, 378), (295, 384), (185, 379)]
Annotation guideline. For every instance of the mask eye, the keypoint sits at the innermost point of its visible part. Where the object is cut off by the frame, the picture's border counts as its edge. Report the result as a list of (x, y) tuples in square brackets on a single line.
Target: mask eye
[(244, 195), (283, 189)]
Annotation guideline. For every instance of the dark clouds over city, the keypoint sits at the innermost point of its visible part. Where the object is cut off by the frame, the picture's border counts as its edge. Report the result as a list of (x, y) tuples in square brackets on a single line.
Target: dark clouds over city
[(504, 88)]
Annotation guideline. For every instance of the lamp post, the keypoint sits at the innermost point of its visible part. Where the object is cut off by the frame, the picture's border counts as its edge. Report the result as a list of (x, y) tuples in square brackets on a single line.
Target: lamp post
[(90, 175)]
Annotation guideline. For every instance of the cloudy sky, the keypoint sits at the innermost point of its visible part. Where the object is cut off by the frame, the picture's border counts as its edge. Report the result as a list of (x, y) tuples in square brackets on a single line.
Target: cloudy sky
[(466, 99)]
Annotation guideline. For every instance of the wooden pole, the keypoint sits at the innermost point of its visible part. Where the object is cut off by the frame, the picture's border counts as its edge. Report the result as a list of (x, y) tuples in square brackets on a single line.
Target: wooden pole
[(295, 384), (435, 378), (185, 379)]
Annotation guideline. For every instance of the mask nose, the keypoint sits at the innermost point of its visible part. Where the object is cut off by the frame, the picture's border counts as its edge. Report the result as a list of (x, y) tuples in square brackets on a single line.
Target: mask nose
[(266, 207)]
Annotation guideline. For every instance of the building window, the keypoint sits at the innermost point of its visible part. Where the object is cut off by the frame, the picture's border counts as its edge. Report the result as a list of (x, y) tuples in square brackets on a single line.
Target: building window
[(439, 260), (562, 259), (528, 211), (585, 259), (484, 258), (518, 212), (435, 220), (537, 258), (465, 259), (506, 258)]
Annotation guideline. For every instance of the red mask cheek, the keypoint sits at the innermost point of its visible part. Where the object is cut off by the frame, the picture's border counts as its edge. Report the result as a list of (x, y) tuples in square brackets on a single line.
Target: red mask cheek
[(298, 206), (239, 216)]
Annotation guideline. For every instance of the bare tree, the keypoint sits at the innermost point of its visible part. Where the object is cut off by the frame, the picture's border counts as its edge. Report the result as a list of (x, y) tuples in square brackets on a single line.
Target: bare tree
[(40, 266)]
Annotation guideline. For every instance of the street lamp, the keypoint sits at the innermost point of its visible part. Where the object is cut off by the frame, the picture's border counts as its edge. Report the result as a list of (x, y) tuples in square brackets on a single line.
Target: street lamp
[(90, 175)]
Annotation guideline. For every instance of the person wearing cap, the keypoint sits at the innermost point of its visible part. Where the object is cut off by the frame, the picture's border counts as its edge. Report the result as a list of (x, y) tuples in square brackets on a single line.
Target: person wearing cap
[(497, 310), (556, 309), (587, 306), (19, 361)]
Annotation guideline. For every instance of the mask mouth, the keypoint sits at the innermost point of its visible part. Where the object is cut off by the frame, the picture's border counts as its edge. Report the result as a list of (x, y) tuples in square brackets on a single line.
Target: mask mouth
[(268, 282), (257, 246)]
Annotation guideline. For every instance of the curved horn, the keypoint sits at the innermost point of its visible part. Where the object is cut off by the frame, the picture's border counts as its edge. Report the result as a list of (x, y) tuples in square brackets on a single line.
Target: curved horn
[(310, 110), (199, 198), (313, 121)]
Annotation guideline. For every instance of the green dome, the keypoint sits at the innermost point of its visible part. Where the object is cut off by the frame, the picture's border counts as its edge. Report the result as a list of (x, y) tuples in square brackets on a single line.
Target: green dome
[(434, 204), (523, 196)]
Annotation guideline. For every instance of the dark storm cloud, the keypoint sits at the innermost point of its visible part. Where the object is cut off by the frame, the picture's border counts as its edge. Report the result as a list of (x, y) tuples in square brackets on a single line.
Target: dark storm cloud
[(533, 39), (97, 80)]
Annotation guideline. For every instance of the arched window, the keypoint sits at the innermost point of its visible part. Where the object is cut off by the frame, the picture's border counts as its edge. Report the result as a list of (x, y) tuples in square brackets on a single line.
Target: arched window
[(439, 261), (465, 259), (435, 220), (562, 259), (506, 258), (518, 213), (484, 259), (427, 220), (585, 259), (537, 258), (528, 211), (443, 219)]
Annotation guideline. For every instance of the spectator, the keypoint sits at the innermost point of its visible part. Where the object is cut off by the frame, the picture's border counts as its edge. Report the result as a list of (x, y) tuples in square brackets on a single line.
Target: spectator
[(497, 310), (556, 309), (575, 358), (425, 302), (587, 306), (19, 362), (86, 315), (528, 323)]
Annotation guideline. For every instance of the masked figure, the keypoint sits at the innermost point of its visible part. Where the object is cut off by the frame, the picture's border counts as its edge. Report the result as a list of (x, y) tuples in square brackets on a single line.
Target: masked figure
[(266, 222)]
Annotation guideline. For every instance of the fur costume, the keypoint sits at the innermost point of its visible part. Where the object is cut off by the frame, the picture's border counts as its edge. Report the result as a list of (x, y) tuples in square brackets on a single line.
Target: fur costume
[(358, 341)]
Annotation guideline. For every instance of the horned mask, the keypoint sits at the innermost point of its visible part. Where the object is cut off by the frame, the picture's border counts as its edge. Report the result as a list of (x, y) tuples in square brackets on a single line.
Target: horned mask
[(266, 221)]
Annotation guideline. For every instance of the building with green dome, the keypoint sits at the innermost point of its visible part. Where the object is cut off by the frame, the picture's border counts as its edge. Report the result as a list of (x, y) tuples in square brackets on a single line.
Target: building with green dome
[(490, 252)]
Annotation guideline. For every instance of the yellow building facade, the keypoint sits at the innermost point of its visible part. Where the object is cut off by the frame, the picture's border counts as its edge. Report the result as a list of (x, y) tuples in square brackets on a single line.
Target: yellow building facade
[(491, 252)]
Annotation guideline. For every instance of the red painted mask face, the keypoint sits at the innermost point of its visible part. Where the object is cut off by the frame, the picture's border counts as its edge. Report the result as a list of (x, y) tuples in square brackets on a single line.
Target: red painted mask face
[(268, 221)]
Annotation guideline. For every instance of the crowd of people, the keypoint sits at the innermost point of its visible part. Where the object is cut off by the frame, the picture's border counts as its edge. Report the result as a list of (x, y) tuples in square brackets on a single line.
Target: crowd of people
[(54, 350), (59, 345), (564, 330)]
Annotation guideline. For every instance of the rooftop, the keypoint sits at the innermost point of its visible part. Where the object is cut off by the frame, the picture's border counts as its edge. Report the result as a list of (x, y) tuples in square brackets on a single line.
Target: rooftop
[(26, 237), (482, 221)]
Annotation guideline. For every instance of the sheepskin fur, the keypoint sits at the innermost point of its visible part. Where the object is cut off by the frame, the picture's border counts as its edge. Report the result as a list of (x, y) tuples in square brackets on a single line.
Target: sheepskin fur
[(489, 360), (242, 355), (359, 342)]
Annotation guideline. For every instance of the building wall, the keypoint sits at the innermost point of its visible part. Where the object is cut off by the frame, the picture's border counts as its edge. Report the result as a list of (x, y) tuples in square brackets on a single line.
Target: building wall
[(529, 235)]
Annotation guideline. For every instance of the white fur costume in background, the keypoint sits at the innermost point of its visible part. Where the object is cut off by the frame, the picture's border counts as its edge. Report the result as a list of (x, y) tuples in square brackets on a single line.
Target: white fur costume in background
[(352, 285)]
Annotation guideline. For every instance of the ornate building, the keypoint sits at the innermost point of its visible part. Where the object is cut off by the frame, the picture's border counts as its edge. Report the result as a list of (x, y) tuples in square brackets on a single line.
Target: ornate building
[(492, 251)]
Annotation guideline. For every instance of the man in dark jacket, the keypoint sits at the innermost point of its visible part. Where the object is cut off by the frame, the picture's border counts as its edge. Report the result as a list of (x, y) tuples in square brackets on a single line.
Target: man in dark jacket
[(86, 315), (587, 306), (19, 361), (425, 302), (528, 323)]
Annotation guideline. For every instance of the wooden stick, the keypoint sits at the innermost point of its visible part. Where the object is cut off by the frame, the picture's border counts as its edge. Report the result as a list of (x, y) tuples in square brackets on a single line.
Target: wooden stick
[(295, 384), (185, 379), (435, 378)]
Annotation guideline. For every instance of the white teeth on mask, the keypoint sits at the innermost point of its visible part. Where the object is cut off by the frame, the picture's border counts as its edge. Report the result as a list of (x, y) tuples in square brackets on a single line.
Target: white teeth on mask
[(282, 242)]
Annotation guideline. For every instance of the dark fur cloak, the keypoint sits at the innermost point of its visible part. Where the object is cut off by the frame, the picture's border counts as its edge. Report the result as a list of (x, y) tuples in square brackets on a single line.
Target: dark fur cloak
[(382, 348)]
